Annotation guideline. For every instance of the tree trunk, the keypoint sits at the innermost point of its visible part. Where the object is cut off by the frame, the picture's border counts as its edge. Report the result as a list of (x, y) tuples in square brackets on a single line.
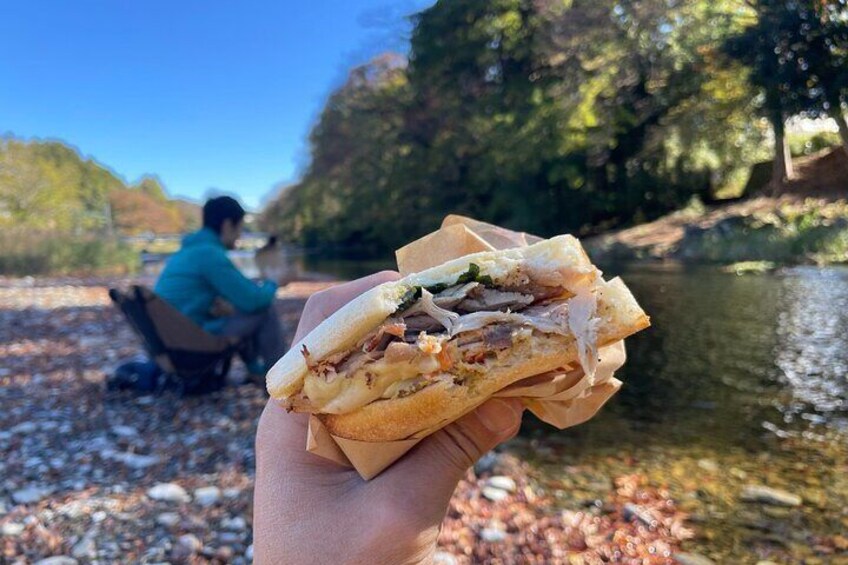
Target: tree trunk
[(836, 114), (782, 170)]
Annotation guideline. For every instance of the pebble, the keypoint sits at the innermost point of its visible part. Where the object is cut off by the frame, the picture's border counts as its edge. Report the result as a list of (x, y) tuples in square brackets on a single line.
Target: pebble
[(85, 548), (58, 560), (502, 482), (232, 493), (98, 516), (207, 496), (768, 495), (738, 473), (634, 511), (766, 563), (29, 495), (168, 492), (24, 428), (692, 559), (187, 545), (492, 535), (124, 431), (236, 524), (708, 465), (486, 464), (229, 537), (168, 519), (12, 529), (494, 494), (224, 553), (248, 553), (135, 461), (444, 558)]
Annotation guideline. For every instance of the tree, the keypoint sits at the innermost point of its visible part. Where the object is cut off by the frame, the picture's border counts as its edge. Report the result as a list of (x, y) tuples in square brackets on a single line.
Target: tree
[(542, 115), (766, 48), (49, 186), (152, 187), (38, 186), (797, 52), (137, 212), (822, 57), (350, 195)]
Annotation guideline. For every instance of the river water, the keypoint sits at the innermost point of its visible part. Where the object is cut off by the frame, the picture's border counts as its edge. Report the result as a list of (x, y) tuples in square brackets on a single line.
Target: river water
[(741, 380), (735, 355)]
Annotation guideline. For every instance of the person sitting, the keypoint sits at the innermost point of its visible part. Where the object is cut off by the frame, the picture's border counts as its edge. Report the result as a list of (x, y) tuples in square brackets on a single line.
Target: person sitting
[(202, 282)]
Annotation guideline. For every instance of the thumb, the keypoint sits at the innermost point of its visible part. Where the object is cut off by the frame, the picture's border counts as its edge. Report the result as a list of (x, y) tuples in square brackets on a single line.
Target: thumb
[(442, 459)]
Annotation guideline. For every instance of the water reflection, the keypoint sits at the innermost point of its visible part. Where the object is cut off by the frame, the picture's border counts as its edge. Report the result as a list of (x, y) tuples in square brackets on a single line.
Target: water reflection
[(727, 354), (811, 352)]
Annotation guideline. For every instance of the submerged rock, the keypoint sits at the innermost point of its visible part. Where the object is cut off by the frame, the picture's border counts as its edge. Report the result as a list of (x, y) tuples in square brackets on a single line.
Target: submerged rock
[(692, 559), (768, 495), (708, 465)]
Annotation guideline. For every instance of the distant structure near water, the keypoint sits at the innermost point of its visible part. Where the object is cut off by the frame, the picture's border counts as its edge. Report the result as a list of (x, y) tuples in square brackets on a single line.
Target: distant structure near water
[(156, 248)]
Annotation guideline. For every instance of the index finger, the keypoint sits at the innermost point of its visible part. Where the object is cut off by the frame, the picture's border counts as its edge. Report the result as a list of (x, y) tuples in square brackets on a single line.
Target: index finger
[(323, 304)]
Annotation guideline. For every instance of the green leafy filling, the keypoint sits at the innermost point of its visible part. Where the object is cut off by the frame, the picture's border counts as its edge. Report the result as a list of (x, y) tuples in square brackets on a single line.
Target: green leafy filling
[(471, 275)]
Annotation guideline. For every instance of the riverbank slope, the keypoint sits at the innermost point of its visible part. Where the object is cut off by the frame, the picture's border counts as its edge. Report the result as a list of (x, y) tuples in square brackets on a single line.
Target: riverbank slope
[(804, 221)]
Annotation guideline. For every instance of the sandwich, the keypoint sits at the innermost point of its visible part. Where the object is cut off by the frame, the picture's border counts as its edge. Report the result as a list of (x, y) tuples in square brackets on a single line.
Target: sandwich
[(417, 353)]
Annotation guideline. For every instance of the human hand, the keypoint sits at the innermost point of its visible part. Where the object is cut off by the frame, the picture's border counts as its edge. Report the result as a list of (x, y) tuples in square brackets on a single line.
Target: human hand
[(310, 510), (221, 308)]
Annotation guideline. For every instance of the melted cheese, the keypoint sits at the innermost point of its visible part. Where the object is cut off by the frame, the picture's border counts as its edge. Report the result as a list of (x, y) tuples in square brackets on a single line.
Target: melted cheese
[(345, 394)]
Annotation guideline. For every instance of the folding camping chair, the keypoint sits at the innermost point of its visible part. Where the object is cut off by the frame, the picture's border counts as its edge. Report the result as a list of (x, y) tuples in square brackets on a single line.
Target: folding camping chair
[(192, 360)]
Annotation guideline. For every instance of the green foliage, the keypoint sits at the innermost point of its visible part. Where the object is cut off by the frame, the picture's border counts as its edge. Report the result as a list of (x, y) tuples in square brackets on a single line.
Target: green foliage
[(797, 55), (31, 253), (802, 144), (351, 195), (152, 187), (750, 267), (49, 186), (794, 234), (544, 116)]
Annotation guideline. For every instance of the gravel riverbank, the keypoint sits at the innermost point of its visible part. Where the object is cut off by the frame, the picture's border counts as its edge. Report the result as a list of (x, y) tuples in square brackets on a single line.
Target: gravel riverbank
[(96, 477)]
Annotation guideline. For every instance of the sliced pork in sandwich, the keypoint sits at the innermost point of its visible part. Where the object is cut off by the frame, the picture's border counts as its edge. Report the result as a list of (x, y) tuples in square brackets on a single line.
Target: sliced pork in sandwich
[(419, 352)]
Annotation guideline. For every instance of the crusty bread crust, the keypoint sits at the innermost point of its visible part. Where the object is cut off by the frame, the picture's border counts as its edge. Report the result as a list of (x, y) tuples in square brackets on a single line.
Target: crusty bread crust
[(444, 402), (362, 315)]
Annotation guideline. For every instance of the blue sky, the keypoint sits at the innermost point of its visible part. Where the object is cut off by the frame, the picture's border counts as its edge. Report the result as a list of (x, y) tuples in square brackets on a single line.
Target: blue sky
[(206, 94)]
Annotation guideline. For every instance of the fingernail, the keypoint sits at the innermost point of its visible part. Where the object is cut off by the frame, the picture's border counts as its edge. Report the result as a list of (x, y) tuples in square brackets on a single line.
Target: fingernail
[(499, 416)]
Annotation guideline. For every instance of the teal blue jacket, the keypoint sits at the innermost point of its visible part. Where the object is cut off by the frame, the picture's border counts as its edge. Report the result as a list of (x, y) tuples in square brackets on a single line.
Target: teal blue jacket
[(200, 272)]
